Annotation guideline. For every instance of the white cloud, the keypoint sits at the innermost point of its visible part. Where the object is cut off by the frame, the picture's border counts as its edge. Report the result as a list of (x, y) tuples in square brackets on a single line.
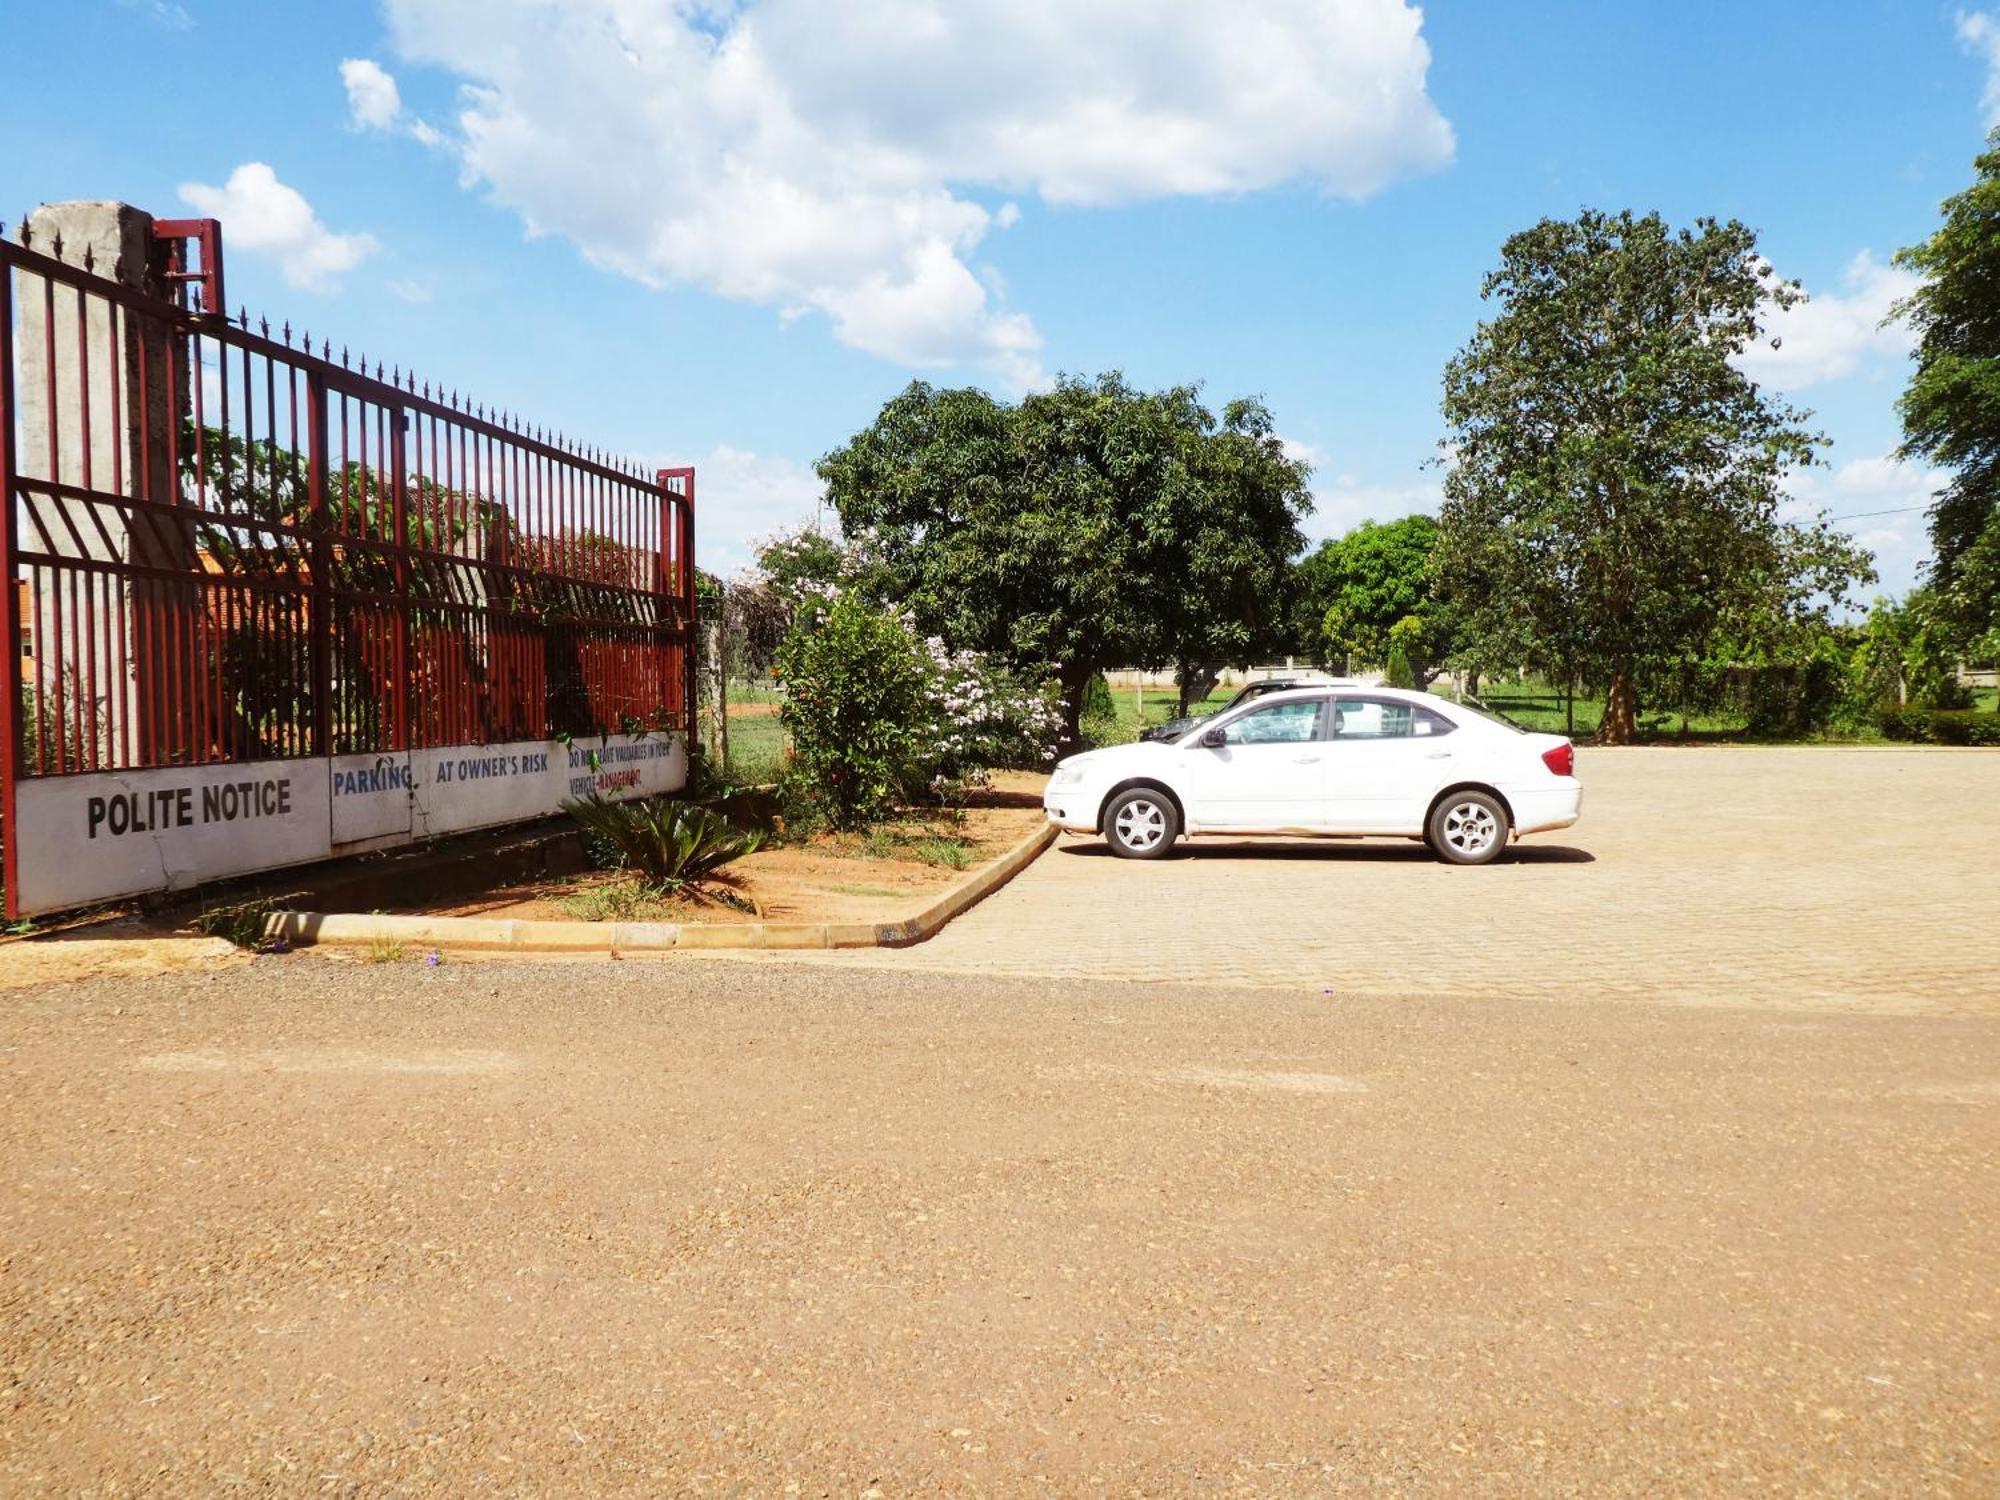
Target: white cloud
[(1835, 333), (741, 497), (373, 102), (409, 290), (1979, 34), (265, 217), (1300, 451), (1344, 502), (172, 17), (1879, 501), (822, 158)]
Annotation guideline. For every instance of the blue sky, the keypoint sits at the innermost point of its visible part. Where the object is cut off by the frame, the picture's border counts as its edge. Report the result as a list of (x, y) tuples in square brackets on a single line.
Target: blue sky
[(728, 233)]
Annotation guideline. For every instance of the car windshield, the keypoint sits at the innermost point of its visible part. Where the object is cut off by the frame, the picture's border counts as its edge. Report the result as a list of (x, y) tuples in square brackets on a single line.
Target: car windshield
[(1251, 690)]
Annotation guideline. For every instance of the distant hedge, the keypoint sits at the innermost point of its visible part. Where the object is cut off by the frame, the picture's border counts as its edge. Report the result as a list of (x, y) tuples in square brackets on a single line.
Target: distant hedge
[(1942, 726)]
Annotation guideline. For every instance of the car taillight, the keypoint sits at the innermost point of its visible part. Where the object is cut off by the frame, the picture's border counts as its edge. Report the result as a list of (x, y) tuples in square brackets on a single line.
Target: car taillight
[(1561, 760)]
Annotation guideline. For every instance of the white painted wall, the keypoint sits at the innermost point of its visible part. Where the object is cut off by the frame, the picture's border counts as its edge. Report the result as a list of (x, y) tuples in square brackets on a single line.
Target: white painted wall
[(84, 839)]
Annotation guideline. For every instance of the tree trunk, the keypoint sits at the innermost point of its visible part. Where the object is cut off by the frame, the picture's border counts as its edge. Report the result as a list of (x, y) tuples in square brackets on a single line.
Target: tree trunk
[(1073, 678), (1621, 710), (1197, 679), (1183, 679)]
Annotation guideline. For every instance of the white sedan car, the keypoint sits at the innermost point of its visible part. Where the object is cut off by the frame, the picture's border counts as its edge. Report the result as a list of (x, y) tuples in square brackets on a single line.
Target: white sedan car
[(1339, 762)]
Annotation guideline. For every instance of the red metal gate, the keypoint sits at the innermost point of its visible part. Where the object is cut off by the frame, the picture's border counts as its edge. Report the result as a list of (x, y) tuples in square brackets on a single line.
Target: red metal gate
[(224, 545)]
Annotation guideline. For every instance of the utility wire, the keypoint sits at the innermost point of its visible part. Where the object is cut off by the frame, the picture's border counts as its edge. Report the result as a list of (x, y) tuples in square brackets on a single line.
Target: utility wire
[(1862, 515)]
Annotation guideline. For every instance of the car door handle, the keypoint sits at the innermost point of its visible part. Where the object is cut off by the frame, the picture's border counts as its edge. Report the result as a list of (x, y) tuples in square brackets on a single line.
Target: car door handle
[(1306, 760), (1437, 755)]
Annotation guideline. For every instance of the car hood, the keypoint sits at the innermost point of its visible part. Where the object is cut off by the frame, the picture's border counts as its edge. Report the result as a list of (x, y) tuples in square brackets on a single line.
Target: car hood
[(1111, 755)]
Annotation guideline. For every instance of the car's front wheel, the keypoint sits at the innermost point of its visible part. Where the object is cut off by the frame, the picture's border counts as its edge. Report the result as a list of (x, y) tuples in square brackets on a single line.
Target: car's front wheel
[(1468, 828), (1141, 824)]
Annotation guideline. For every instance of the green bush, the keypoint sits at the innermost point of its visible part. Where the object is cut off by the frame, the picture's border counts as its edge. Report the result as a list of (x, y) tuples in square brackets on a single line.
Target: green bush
[(1938, 726), (675, 845), (1793, 701), (879, 719), (854, 684), (1399, 673), (1097, 723)]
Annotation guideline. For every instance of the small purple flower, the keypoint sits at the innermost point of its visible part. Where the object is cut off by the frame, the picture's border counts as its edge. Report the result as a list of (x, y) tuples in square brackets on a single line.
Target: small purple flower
[(432, 959)]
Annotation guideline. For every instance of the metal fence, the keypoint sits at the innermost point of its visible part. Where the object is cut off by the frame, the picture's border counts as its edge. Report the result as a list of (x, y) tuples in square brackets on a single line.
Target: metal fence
[(226, 543)]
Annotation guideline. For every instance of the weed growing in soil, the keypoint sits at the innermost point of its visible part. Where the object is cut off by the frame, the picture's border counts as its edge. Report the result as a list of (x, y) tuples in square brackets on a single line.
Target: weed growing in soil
[(622, 901), (950, 854), (943, 850), (243, 922), (384, 951)]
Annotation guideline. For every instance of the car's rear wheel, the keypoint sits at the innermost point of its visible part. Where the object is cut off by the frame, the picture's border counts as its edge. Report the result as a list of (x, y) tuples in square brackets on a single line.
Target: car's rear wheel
[(1468, 828), (1141, 824)]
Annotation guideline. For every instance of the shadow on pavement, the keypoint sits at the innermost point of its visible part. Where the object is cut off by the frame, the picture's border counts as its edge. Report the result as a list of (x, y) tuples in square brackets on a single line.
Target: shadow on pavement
[(1343, 850)]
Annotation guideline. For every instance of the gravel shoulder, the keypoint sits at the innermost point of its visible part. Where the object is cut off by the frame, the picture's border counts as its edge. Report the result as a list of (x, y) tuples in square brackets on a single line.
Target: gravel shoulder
[(691, 1227)]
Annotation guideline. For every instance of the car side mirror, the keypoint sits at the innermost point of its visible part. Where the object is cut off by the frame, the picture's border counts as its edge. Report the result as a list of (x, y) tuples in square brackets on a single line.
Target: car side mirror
[(1213, 739)]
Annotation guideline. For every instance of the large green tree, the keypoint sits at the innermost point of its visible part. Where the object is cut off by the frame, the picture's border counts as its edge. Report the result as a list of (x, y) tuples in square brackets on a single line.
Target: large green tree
[(1373, 580), (1951, 409), (1612, 493), (1091, 525), (1221, 536)]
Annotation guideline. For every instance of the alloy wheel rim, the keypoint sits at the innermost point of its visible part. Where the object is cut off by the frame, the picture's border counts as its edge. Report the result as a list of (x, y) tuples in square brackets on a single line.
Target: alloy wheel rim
[(1141, 824), (1470, 828)]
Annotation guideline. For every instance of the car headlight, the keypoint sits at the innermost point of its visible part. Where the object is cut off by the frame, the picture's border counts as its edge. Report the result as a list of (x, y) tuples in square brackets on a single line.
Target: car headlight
[(1065, 776)]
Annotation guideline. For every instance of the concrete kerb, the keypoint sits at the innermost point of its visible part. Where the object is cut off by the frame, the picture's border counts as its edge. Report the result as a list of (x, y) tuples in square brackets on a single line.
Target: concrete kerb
[(492, 934)]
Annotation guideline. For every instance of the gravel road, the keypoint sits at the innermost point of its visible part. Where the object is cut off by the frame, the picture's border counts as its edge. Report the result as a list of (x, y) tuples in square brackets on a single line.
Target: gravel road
[(690, 1227)]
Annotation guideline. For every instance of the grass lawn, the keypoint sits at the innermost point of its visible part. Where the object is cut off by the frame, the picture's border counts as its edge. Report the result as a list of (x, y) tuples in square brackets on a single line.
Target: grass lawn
[(756, 747), (1535, 705), (756, 743), (1161, 704)]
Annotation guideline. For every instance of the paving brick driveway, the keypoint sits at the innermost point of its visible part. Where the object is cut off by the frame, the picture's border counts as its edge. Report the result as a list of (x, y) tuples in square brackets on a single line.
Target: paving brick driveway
[(1800, 878)]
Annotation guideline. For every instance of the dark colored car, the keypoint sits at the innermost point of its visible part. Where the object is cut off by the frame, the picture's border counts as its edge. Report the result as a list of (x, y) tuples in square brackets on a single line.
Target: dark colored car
[(1173, 729)]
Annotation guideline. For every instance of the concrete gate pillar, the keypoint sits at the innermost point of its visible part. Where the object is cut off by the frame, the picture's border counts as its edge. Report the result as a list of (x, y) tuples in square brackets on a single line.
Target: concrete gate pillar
[(101, 390)]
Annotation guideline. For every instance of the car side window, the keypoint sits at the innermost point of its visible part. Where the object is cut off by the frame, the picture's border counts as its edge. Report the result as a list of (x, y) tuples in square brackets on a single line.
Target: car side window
[(1377, 719), (1429, 722), (1278, 724)]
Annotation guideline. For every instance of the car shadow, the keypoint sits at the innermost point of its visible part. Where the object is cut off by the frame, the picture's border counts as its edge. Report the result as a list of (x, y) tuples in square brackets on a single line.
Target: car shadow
[(994, 796), (1342, 850)]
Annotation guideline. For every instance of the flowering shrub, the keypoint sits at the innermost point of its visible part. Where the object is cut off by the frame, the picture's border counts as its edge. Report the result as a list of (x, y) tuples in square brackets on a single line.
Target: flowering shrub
[(877, 717), (979, 718)]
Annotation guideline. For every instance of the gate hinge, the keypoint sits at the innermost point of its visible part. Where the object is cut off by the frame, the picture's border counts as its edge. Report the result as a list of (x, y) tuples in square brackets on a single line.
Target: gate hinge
[(198, 291)]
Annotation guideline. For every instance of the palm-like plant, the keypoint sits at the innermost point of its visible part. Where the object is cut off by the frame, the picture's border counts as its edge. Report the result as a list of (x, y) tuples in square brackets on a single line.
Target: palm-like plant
[(677, 846)]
